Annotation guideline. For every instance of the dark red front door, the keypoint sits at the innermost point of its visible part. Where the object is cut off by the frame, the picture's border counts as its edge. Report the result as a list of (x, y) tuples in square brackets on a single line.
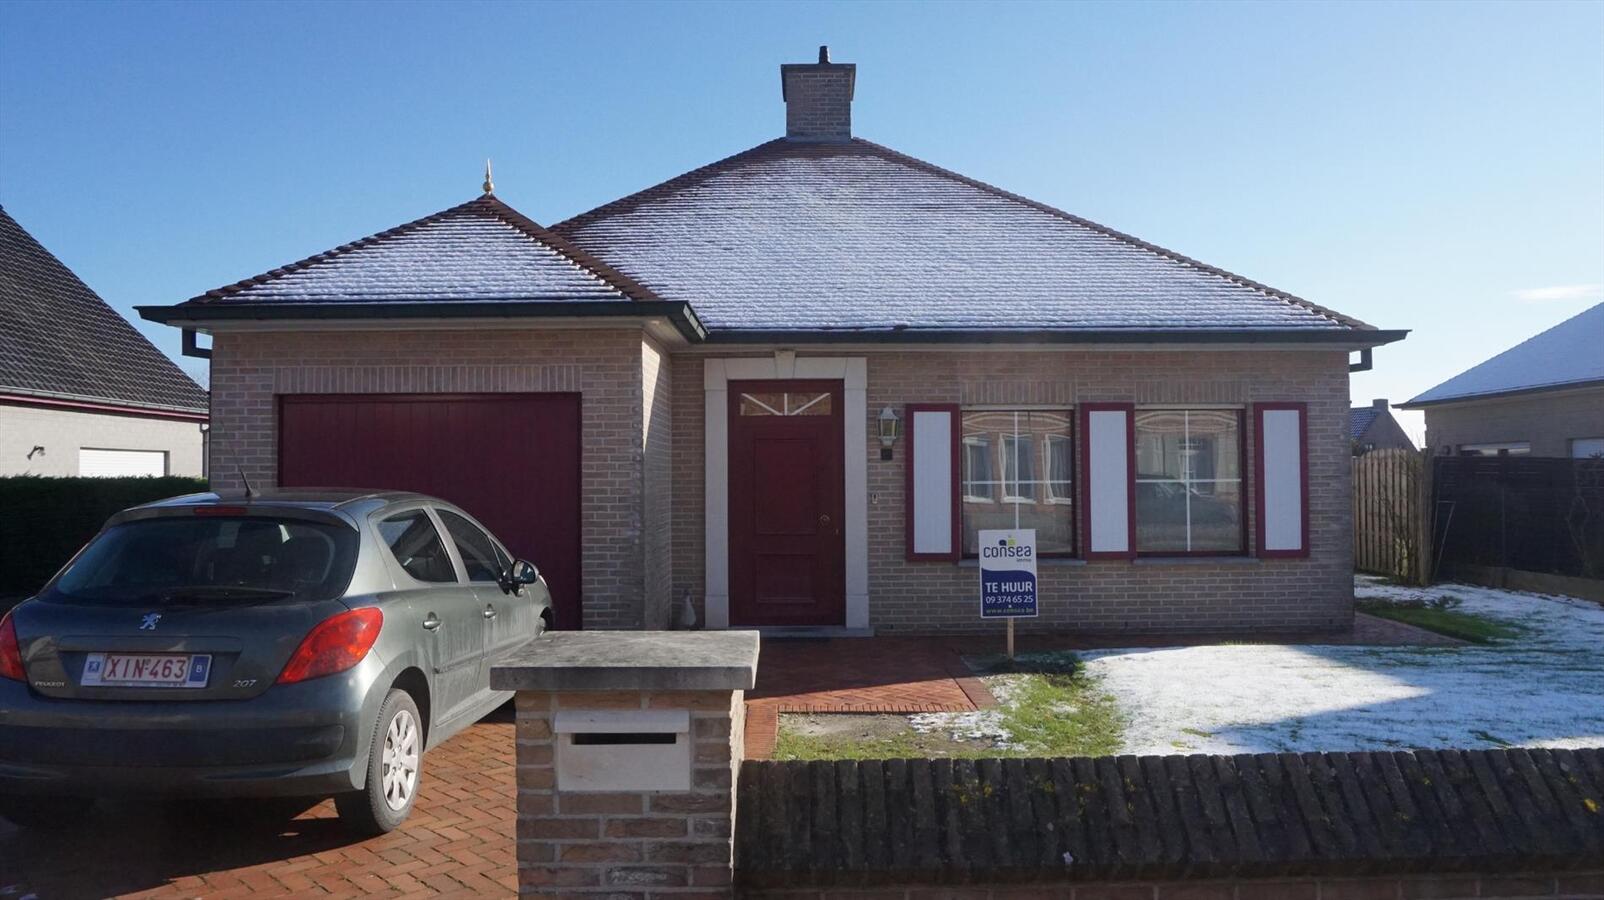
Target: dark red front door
[(786, 496), (512, 460)]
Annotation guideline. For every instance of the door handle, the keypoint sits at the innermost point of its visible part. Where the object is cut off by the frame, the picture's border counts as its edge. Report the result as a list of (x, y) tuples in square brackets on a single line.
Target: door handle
[(824, 519), (431, 622), (490, 612)]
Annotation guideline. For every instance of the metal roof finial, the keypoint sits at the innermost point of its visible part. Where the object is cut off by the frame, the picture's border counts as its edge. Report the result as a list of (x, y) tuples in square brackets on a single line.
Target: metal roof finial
[(490, 187)]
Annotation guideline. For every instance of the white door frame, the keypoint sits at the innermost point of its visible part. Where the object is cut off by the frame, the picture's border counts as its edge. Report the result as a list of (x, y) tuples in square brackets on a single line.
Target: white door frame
[(853, 373)]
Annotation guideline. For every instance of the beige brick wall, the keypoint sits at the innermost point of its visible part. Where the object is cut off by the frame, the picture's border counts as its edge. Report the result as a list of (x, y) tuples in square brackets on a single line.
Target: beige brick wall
[(1104, 596), (249, 370), (642, 844)]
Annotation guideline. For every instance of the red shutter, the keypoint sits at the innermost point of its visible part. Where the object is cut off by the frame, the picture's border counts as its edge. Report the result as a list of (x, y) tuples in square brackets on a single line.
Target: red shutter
[(934, 526)]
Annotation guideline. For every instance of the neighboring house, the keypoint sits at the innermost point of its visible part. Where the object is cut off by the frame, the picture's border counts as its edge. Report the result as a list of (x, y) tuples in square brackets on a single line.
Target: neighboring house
[(1374, 428), (792, 385), (1542, 397), (81, 391)]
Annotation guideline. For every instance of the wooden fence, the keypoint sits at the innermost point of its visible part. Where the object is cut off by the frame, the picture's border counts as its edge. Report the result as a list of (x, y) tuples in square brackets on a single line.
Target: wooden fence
[(1391, 521)]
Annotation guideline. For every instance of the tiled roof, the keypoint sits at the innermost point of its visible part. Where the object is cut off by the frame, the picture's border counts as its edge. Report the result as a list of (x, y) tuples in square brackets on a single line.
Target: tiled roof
[(794, 236), (480, 251), (940, 821), (59, 340), (1359, 418), (1567, 354)]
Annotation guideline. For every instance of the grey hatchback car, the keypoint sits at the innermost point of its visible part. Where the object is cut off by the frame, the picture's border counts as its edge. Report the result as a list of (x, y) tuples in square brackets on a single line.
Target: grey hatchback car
[(291, 643)]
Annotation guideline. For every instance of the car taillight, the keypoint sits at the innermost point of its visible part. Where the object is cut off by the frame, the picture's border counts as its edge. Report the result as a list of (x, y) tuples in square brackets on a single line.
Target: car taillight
[(336, 644), (10, 652)]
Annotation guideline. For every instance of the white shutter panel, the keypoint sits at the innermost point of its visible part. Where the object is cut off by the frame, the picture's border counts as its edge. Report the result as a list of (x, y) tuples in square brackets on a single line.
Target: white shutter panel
[(1282, 466), (1108, 478), (932, 481)]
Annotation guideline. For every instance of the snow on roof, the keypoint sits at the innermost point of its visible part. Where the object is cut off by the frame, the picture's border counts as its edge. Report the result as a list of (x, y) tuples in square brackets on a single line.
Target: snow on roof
[(481, 251), (797, 236), (1567, 354)]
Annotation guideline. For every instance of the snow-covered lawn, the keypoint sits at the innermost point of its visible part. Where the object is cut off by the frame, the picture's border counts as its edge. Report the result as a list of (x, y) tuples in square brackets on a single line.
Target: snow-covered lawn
[(1543, 688)]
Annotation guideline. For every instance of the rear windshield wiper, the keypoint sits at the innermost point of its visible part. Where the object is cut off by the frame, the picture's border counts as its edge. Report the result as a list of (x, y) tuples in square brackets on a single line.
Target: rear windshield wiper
[(215, 592)]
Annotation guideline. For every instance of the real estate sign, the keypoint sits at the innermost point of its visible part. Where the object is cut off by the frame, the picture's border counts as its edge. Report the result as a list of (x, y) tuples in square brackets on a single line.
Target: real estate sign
[(1008, 573)]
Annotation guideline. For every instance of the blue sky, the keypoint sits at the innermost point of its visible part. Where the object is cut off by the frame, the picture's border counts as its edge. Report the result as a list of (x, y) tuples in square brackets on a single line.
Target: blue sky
[(1438, 167)]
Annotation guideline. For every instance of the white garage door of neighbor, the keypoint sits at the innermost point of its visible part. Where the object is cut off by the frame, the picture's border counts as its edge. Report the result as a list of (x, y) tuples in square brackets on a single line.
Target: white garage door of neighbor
[(120, 463)]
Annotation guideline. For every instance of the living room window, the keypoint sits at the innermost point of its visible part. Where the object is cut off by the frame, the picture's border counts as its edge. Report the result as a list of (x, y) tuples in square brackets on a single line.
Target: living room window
[(1018, 472), (1189, 482)]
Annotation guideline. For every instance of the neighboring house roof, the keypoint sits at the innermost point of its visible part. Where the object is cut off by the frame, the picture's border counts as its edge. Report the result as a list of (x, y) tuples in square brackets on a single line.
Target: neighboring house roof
[(796, 236), (59, 341), (1566, 355), (482, 250), (1359, 419)]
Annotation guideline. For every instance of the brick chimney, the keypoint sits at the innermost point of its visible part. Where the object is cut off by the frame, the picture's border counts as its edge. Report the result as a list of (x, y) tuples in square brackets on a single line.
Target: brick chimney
[(818, 99), (1380, 404)]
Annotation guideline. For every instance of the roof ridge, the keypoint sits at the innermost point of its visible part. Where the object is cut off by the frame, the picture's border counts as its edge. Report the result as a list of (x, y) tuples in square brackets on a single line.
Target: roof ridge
[(615, 279), (301, 264), (1114, 233), (684, 179)]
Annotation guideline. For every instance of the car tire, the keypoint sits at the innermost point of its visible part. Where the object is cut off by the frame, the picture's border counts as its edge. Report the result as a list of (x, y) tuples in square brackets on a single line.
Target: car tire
[(50, 813), (395, 770)]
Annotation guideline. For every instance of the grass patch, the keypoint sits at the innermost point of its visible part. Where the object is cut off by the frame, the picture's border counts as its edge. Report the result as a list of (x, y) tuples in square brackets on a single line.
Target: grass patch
[(1048, 706), (1462, 625)]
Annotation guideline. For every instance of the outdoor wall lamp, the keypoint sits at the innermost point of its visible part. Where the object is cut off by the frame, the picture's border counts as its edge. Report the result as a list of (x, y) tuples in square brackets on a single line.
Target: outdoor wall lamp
[(890, 427)]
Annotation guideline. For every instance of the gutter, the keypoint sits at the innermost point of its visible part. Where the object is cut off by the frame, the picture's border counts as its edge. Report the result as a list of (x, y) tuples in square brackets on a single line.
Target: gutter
[(1500, 395), (192, 315), (1356, 339)]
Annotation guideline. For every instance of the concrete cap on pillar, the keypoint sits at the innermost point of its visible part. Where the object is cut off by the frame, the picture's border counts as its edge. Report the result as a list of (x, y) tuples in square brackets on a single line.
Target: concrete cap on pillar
[(631, 660)]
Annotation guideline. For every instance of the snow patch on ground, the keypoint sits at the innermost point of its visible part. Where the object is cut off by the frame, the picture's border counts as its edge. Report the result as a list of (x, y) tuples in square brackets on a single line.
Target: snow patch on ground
[(985, 725), (1544, 688)]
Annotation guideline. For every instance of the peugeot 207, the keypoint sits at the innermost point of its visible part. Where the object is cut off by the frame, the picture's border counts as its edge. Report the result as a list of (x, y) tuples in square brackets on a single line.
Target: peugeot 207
[(309, 643)]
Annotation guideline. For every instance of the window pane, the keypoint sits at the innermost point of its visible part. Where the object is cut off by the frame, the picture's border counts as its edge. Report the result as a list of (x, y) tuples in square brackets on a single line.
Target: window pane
[(1188, 481), (1018, 473), (478, 554), (779, 403), (1216, 511), (416, 545)]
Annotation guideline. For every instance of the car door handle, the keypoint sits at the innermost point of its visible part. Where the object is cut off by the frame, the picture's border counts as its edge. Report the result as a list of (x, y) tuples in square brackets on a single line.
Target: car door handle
[(431, 622), (490, 612)]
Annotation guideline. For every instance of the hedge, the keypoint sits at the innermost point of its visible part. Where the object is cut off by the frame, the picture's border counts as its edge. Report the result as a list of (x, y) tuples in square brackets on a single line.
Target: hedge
[(44, 521)]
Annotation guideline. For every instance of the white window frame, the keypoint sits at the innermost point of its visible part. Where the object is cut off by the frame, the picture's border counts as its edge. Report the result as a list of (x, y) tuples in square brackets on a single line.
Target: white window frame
[(1497, 448), (1048, 492), (981, 443)]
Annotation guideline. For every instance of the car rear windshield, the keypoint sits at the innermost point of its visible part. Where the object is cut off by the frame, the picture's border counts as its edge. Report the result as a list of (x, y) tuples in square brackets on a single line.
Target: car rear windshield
[(212, 559)]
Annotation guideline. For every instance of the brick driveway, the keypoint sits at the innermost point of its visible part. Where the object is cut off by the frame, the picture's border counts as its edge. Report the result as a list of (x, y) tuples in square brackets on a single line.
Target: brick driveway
[(458, 842)]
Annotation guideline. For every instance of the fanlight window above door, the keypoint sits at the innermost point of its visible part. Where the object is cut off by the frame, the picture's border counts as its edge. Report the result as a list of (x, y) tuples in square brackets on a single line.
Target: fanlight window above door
[(784, 403)]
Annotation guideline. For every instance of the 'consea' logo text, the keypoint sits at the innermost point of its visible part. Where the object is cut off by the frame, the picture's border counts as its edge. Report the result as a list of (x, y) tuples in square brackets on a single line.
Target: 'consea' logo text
[(1003, 551)]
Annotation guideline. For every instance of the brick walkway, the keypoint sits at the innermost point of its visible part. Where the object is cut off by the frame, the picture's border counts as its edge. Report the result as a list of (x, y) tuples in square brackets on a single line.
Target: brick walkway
[(458, 842)]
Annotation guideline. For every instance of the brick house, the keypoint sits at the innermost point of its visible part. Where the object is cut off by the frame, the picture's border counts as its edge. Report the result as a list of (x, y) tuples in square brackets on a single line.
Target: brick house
[(787, 388)]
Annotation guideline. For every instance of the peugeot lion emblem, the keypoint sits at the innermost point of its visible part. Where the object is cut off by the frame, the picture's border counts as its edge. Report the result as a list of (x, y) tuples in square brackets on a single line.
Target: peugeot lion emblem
[(149, 622)]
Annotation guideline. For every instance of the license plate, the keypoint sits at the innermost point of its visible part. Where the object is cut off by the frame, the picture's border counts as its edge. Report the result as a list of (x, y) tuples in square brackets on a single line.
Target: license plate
[(162, 670)]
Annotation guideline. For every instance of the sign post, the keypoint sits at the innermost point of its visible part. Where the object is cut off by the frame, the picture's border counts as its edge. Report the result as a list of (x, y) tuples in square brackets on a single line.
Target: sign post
[(1008, 576)]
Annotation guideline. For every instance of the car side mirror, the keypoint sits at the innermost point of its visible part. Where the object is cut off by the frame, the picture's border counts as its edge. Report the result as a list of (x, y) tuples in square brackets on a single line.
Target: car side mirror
[(523, 572)]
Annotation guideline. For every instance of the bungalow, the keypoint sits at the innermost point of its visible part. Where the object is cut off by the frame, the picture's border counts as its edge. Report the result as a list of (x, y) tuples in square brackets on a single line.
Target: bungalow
[(789, 387)]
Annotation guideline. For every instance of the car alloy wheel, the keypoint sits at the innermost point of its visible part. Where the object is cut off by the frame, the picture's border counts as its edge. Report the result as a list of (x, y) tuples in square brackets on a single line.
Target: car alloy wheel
[(399, 765)]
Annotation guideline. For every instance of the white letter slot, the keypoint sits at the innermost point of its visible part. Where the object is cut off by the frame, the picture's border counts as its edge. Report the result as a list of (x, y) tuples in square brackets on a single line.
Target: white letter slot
[(626, 750)]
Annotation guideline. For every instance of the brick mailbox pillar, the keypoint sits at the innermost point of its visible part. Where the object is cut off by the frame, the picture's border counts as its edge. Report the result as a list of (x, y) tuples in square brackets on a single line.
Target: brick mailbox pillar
[(628, 747)]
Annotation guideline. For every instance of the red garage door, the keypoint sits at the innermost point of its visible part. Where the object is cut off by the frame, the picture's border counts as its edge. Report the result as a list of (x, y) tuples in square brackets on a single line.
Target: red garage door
[(512, 460)]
